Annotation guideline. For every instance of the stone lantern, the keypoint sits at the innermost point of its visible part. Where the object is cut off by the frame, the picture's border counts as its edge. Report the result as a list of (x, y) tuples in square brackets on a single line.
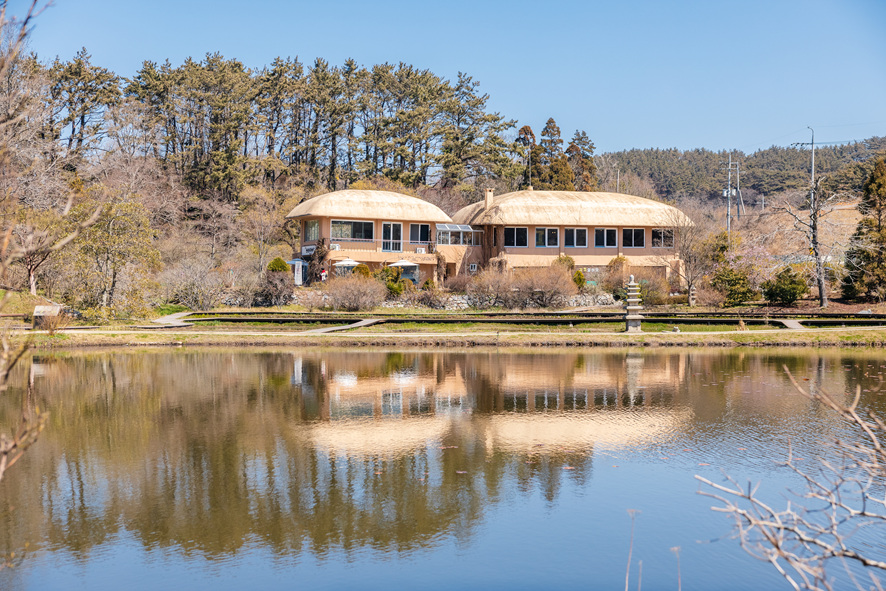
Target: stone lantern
[(633, 307)]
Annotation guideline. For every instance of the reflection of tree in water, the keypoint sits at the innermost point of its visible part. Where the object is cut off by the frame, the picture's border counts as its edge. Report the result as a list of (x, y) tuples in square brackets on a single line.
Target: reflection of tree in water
[(209, 451)]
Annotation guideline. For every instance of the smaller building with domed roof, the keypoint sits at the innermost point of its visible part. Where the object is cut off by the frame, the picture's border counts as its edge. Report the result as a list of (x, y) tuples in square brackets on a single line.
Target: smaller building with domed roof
[(381, 228)]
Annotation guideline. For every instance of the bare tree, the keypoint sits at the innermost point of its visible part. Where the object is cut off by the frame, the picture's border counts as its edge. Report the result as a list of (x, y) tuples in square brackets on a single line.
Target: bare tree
[(809, 219), (842, 497)]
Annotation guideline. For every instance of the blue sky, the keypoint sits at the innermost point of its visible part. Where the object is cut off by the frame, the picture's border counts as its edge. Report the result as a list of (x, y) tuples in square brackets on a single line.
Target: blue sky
[(632, 73)]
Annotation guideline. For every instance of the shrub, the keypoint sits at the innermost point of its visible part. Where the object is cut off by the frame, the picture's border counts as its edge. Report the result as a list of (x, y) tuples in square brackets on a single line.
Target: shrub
[(787, 287), (428, 285), (458, 283), (193, 283), (278, 265), (578, 278), (490, 288), (734, 284), (566, 261), (544, 287), (275, 289), (615, 274), (362, 270), (654, 288), (355, 293), (431, 298)]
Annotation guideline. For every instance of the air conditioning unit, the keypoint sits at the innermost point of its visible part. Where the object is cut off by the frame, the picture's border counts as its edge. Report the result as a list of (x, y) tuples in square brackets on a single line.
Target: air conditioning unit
[(335, 247), (420, 250)]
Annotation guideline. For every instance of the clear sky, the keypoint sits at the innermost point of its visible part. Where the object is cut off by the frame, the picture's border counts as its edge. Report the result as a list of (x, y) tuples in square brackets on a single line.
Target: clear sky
[(632, 73)]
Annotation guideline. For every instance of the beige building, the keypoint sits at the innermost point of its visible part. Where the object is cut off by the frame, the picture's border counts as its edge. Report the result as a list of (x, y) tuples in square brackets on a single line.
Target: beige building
[(380, 228), (532, 228), (520, 229)]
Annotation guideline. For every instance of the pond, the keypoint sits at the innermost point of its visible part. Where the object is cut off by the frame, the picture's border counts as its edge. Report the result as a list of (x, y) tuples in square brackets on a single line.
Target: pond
[(338, 469)]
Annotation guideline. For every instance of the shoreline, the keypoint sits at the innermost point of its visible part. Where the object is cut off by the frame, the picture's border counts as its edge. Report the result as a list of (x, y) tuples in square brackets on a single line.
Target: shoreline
[(850, 338)]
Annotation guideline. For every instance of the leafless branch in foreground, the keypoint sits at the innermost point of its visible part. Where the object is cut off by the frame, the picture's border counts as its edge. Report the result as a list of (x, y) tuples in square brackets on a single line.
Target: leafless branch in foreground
[(843, 496)]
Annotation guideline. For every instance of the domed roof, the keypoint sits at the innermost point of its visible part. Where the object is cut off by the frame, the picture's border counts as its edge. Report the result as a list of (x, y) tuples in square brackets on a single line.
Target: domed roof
[(365, 204), (570, 208)]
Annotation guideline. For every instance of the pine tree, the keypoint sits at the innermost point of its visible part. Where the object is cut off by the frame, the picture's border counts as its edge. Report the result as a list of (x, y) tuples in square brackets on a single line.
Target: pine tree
[(580, 155), (866, 259)]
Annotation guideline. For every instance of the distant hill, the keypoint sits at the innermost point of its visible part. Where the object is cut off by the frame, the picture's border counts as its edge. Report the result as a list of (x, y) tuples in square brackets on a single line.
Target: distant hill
[(699, 173)]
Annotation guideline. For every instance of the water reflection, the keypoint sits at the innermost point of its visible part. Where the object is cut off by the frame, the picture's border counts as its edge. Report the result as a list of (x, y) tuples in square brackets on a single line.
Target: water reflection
[(315, 452)]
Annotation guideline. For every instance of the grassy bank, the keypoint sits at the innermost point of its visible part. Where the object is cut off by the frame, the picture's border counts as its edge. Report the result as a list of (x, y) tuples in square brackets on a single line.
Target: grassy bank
[(844, 337)]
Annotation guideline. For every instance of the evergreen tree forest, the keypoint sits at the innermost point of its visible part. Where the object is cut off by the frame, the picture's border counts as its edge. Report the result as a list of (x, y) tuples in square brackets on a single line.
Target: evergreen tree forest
[(202, 161)]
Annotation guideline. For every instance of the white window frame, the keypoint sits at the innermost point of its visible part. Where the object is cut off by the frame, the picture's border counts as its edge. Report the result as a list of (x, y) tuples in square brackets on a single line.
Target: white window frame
[(419, 241), (331, 237), (574, 241), (315, 223), (665, 233), (515, 228), (634, 230), (605, 237), (396, 245), (545, 230)]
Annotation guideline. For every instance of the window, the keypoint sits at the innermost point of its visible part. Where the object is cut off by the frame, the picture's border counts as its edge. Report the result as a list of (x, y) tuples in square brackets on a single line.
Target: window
[(312, 230), (633, 238), (391, 237), (662, 238), (516, 237), (419, 233), (547, 237), (351, 230), (575, 238), (605, 238)]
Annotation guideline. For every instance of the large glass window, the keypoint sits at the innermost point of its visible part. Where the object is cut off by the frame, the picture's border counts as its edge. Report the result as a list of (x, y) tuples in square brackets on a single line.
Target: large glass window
[(547, 237), (343, 230), (605, 237), (391, 237), (419, 233), (575, 238), (662, 238), (516, 236), (312, 230), (633, 238)]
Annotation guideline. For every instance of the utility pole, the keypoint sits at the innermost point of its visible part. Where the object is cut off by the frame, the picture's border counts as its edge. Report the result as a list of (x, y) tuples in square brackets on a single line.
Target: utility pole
[(617, 178), (728, 193), (812, 226)]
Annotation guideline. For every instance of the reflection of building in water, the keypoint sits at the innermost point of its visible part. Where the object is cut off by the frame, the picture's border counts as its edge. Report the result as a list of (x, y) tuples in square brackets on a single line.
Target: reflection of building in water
[(356, 398)]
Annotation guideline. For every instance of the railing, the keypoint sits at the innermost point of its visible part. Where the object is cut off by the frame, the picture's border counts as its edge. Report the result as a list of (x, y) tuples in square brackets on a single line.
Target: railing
[(360, 244)]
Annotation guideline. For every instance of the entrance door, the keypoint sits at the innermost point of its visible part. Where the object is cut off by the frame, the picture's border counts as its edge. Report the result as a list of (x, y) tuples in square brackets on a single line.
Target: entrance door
[(392, 237)]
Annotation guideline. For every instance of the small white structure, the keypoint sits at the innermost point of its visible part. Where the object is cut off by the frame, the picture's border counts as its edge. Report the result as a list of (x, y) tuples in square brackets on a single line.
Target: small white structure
[(633, 307)]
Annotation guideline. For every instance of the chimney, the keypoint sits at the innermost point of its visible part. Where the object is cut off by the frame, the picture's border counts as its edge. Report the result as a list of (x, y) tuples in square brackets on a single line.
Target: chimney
[(488, 201)]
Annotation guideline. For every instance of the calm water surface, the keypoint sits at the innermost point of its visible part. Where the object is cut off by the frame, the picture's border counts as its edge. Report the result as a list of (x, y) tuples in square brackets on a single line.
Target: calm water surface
[(220, 469)]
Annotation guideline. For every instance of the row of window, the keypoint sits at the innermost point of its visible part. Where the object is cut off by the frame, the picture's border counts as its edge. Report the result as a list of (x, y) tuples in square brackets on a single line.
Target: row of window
[(578, 237), (514, 236)]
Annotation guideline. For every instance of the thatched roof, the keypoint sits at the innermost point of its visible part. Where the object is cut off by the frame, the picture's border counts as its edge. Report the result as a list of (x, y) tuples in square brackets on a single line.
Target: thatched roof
[(570, 208), (370, 205)]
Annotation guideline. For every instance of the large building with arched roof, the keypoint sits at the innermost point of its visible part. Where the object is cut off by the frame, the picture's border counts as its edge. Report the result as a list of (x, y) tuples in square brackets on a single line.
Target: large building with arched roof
[(519, 229), (532, 228)]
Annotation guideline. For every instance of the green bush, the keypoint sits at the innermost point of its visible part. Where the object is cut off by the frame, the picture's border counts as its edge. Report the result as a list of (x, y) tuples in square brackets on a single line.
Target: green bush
[(428, 285), (278, 265), (578, 278), (734, 284), (362, 270), (786, 288)]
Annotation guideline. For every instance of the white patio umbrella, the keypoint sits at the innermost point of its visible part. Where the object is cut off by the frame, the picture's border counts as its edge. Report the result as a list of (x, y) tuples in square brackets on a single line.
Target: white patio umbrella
[(346, 263), (403, 263)]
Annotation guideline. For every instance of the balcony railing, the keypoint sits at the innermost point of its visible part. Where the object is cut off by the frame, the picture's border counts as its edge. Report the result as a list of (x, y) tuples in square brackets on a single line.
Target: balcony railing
[(360, 244)]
